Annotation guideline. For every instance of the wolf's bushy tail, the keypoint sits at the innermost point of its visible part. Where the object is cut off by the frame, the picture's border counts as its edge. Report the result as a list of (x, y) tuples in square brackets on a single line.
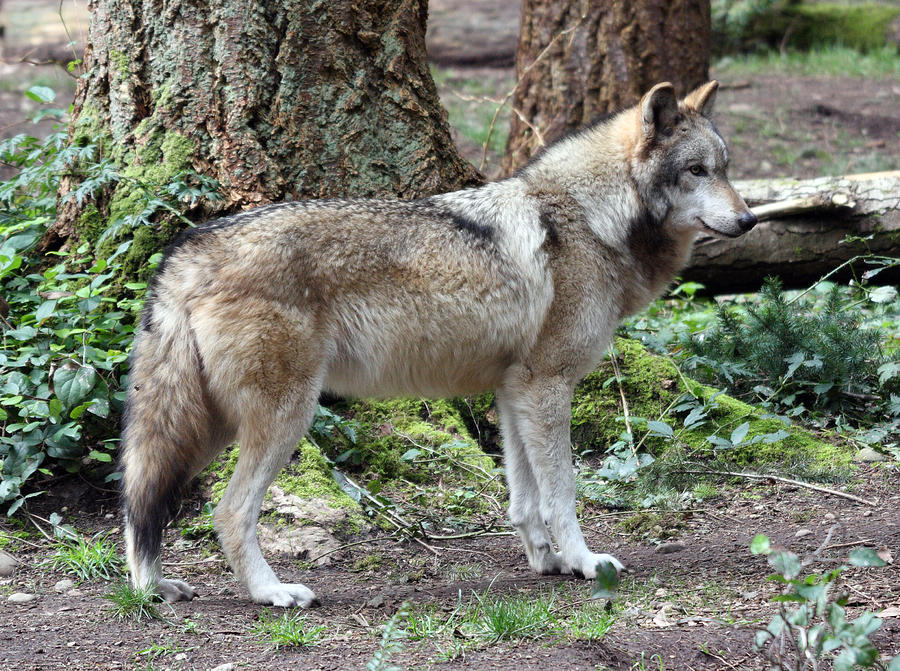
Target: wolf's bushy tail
[(167, 433)]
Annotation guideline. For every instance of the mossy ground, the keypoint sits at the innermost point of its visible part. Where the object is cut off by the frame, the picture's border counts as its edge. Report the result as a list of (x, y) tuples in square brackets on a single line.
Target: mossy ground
[(415, 451), (307, 476), (422, 451), (652, 386)]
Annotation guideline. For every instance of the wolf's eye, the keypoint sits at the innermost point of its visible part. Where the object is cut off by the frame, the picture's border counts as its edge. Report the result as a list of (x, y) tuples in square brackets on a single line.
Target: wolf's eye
[(697, 170)]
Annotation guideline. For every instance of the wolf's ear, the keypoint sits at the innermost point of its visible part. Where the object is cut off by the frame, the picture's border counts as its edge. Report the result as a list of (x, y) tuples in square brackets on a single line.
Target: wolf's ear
[(702, 98), (659, 109)]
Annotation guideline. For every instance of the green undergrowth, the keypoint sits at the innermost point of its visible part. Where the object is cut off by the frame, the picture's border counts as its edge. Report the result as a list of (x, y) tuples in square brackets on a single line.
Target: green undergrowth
[(746, 25), (676, 414), (69, 314)]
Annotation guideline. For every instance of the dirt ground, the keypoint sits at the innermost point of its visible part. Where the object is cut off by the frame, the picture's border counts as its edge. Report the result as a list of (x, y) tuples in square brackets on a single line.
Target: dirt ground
[(696, 608)]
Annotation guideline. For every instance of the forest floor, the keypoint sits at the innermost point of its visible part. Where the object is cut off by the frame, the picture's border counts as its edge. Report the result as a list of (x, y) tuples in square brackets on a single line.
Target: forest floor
[(692, 603), (697, 607)]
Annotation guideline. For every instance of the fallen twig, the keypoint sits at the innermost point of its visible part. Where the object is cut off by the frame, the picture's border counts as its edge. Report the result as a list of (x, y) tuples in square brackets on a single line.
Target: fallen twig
[(11, 538), (313, 560), (847, 545), (208, 560), (798, 483)]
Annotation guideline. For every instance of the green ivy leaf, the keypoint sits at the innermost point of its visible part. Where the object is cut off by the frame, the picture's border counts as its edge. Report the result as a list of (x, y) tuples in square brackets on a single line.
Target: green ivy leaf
[(100, 407), (660, 429), (865, 557), (786, 563), (607, 581), (411, 454), (41, 94), (760, 545), (72, 383), (44, 310), (738, 435)]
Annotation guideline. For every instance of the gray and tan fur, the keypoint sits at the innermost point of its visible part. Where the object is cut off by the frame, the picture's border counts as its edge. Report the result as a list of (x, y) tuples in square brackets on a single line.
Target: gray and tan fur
[(515, 286)]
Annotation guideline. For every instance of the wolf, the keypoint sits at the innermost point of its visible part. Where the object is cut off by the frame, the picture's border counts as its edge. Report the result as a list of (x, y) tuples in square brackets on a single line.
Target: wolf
[(515, 286)]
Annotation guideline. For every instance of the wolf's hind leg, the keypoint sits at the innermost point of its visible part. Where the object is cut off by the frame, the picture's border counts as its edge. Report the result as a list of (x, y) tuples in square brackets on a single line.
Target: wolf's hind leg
[(267, 438), (524, 498)]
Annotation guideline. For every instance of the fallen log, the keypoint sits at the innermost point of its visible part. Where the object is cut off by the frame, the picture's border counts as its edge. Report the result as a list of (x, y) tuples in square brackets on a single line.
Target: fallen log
[(807, 229)]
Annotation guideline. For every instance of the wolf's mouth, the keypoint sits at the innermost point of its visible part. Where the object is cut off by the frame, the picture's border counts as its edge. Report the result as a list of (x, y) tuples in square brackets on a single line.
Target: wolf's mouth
[(719, 234)]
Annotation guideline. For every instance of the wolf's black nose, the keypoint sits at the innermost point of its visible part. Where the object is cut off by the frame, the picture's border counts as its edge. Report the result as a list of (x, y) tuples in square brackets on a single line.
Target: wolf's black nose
[(747, 221)]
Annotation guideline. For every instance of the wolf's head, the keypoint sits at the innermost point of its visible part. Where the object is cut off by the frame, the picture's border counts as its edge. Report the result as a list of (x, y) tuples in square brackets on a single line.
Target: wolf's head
[(680, 164)]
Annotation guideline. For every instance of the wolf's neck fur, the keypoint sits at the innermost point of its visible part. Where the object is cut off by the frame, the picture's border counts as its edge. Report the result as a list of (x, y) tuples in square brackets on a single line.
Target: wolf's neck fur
[(592, 172)]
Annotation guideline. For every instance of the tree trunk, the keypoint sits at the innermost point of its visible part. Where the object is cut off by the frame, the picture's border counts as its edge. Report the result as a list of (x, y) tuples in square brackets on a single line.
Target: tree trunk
[(274, 101), (813, 227), (579, 60)]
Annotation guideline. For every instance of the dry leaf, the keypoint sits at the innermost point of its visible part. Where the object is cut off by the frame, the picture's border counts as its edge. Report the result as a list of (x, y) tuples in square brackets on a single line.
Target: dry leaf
[(890, 611), (661, 618)]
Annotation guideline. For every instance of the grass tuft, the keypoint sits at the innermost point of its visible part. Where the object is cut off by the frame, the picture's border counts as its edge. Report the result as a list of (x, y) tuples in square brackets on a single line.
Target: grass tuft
[(133, 603), (94, 559), (291, 629)]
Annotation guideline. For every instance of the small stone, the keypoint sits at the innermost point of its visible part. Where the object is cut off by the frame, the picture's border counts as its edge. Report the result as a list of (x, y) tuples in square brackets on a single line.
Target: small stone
[(227, 666), (74, 592), (63, 585), (802, 532), (749, 595), (7, 564), (661, 593), (21, 597), (830, 517), (376, 601), (108, 516), (868, 455), (181, 656), (670, 547)]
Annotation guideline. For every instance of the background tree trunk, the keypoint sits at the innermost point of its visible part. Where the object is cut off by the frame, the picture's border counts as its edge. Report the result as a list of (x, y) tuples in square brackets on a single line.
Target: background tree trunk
[(273, 101), (601, 57)]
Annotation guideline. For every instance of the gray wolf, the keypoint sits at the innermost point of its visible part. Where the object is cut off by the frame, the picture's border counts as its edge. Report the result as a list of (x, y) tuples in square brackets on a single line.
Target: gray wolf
[(515, 286)]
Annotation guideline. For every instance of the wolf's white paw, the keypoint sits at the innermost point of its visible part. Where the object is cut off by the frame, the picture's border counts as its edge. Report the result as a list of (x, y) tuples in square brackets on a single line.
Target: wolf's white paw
[(285, 595), (546, 561), (175, 590), (586, 566)]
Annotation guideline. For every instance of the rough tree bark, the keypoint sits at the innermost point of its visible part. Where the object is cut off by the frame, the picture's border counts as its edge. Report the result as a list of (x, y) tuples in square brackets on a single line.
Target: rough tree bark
[(578, 60), (274, 100), (830, 221)]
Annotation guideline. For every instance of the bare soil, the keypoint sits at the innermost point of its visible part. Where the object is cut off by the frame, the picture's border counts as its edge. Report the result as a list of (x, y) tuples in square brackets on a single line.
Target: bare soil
[(696, 608), (712, 594)]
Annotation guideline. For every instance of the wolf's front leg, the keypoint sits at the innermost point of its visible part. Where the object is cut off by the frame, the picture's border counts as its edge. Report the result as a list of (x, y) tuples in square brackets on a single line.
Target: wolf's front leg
[(542, 410), (524, 499)]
